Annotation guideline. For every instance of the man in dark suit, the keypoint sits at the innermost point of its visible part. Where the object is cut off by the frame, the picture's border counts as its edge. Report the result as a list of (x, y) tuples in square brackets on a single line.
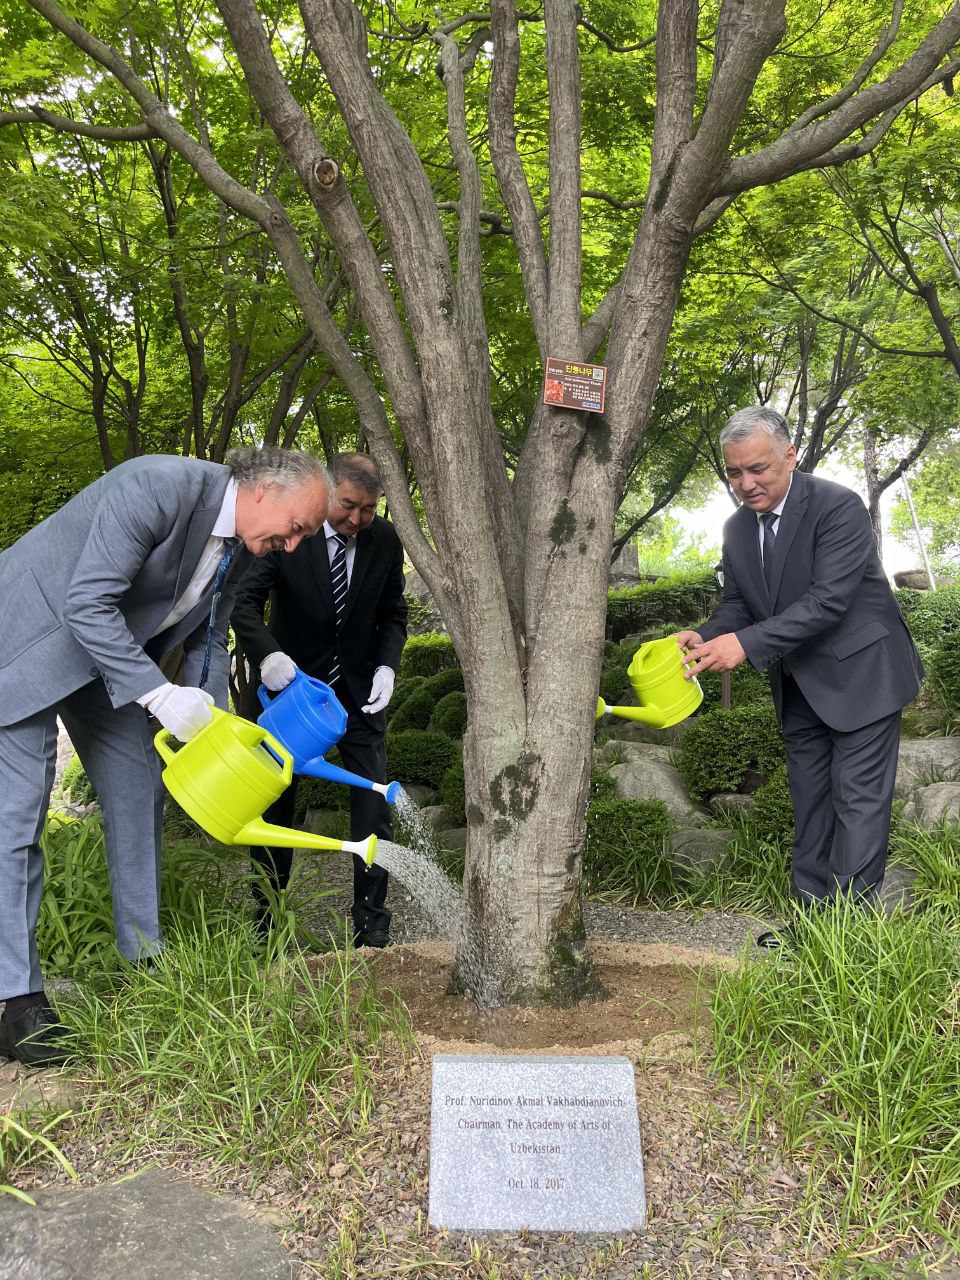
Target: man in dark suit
[(143, 560), (337, 613), (806, 599)]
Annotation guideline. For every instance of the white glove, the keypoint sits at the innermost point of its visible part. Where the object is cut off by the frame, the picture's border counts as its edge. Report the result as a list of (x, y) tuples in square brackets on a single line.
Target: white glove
[(277, 671), (182, 711), (381, 691)]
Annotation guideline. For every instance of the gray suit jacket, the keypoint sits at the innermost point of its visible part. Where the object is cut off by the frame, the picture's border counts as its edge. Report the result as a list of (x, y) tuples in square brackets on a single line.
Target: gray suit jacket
[(86, 591), (829, 618)]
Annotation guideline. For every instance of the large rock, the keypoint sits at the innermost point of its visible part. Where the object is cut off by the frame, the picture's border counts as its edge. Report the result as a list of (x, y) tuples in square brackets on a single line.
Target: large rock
[(695, 849), (726, 803), (154, 1227), (925, 760), (645, 773), (453, 838), (421, 795), (929, 805), (897, 890), (434, 814)]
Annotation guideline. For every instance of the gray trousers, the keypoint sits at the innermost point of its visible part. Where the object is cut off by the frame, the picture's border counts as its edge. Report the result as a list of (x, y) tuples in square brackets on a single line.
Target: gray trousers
[(116, 750), (841, 785)]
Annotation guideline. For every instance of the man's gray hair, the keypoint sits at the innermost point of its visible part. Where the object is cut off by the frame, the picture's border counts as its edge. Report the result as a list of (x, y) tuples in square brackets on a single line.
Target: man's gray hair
[(747, 422), (356, 468), (278, 468)]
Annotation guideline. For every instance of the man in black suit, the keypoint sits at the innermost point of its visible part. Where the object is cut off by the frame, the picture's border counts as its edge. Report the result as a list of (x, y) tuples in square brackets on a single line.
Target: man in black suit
[(338, 613), (806, 599)]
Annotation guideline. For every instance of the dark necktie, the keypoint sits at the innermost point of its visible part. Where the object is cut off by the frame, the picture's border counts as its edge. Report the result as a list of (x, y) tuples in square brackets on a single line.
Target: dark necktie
[(338, 580), (223, 568), (768, 520)]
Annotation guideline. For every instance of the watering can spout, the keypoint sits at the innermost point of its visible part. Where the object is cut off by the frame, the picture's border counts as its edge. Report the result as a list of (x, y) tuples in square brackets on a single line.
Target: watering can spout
[(320, 768), (652, 715), (256, 831)]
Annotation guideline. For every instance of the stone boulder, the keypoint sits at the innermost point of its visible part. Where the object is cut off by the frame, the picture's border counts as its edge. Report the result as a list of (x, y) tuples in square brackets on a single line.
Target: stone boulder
[(897, 890), (453, 838), (434, 814), (421, 795), (695, 849), (929, 805), (726, 803), (922, 761), (643, 772)]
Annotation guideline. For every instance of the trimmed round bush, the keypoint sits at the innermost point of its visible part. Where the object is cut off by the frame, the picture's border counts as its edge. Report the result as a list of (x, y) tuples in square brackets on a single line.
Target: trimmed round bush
[(444, 682), (720, 748), (931, 615), (625, 853), (450, 715), (452, 793), (427, 654), (402, 690), (319, 793), (415, 712), (417, 756)]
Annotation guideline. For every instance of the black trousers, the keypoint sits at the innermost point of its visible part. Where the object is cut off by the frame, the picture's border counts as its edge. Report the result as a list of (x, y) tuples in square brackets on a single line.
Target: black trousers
[(363, 752), (842, 786)]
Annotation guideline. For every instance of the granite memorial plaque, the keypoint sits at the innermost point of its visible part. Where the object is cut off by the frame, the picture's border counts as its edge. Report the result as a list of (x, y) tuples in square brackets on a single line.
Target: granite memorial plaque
[(550, 1144)]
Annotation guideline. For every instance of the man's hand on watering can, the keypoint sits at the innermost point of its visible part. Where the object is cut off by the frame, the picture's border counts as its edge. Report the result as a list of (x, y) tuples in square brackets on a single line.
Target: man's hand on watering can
[(381, 691), (182, 711), (277, 671), (723, 653)]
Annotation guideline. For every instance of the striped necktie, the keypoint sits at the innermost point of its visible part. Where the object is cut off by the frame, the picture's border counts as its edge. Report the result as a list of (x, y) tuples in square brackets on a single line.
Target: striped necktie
[(223, 568), (338, 580)]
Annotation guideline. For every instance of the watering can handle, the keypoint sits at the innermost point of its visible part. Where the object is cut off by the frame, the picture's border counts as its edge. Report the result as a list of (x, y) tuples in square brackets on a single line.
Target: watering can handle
[(162, 740), (266, 695)]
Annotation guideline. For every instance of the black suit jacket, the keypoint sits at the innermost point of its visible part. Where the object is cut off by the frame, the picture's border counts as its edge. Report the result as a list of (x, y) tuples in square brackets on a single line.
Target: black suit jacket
[(829, 618), (303, 618)]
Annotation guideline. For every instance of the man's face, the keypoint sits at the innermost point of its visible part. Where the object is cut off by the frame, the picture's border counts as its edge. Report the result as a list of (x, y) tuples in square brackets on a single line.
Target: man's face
[(272, 519), (351, 509), (758, 469)]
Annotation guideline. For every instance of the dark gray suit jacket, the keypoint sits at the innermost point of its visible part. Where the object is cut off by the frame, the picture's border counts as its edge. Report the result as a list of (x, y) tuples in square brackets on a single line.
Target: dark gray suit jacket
[(85, 591), (829, 619)]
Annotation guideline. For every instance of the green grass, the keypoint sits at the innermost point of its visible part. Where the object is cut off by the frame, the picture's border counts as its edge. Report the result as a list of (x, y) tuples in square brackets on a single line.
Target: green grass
[(935, 856), (22, 1141), (75, 934), (238, 1056), (753, 876), (850, 1042)]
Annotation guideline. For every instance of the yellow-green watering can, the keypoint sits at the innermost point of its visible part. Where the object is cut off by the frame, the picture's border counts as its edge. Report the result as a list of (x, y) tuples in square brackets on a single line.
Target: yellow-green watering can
[(665, 694), (228, 774)]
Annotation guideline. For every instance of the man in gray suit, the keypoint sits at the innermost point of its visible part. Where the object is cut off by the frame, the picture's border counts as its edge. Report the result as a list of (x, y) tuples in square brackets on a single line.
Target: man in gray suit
[(806, 599), (145, 558)]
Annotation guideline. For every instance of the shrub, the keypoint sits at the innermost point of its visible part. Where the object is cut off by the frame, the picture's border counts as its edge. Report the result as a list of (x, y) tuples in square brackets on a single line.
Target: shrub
[(452, 793), (943, 670), (720, 748), (624, 854), (770, 817), (662, 606), (402, 690), (931, 615), (417, 756), (614, 680), (427, 654), (319, 793), (415, 712), (444, 682), (601, 785), (450, 715), (75, 781), (746, 685)]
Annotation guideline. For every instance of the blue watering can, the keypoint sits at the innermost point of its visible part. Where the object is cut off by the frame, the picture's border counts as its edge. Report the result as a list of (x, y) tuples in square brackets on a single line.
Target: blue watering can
[(307, 719)]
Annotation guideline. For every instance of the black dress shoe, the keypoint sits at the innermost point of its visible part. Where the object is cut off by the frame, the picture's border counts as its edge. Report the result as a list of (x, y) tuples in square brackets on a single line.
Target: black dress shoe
[(774, 939), (35, 1037), (376, 938)]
